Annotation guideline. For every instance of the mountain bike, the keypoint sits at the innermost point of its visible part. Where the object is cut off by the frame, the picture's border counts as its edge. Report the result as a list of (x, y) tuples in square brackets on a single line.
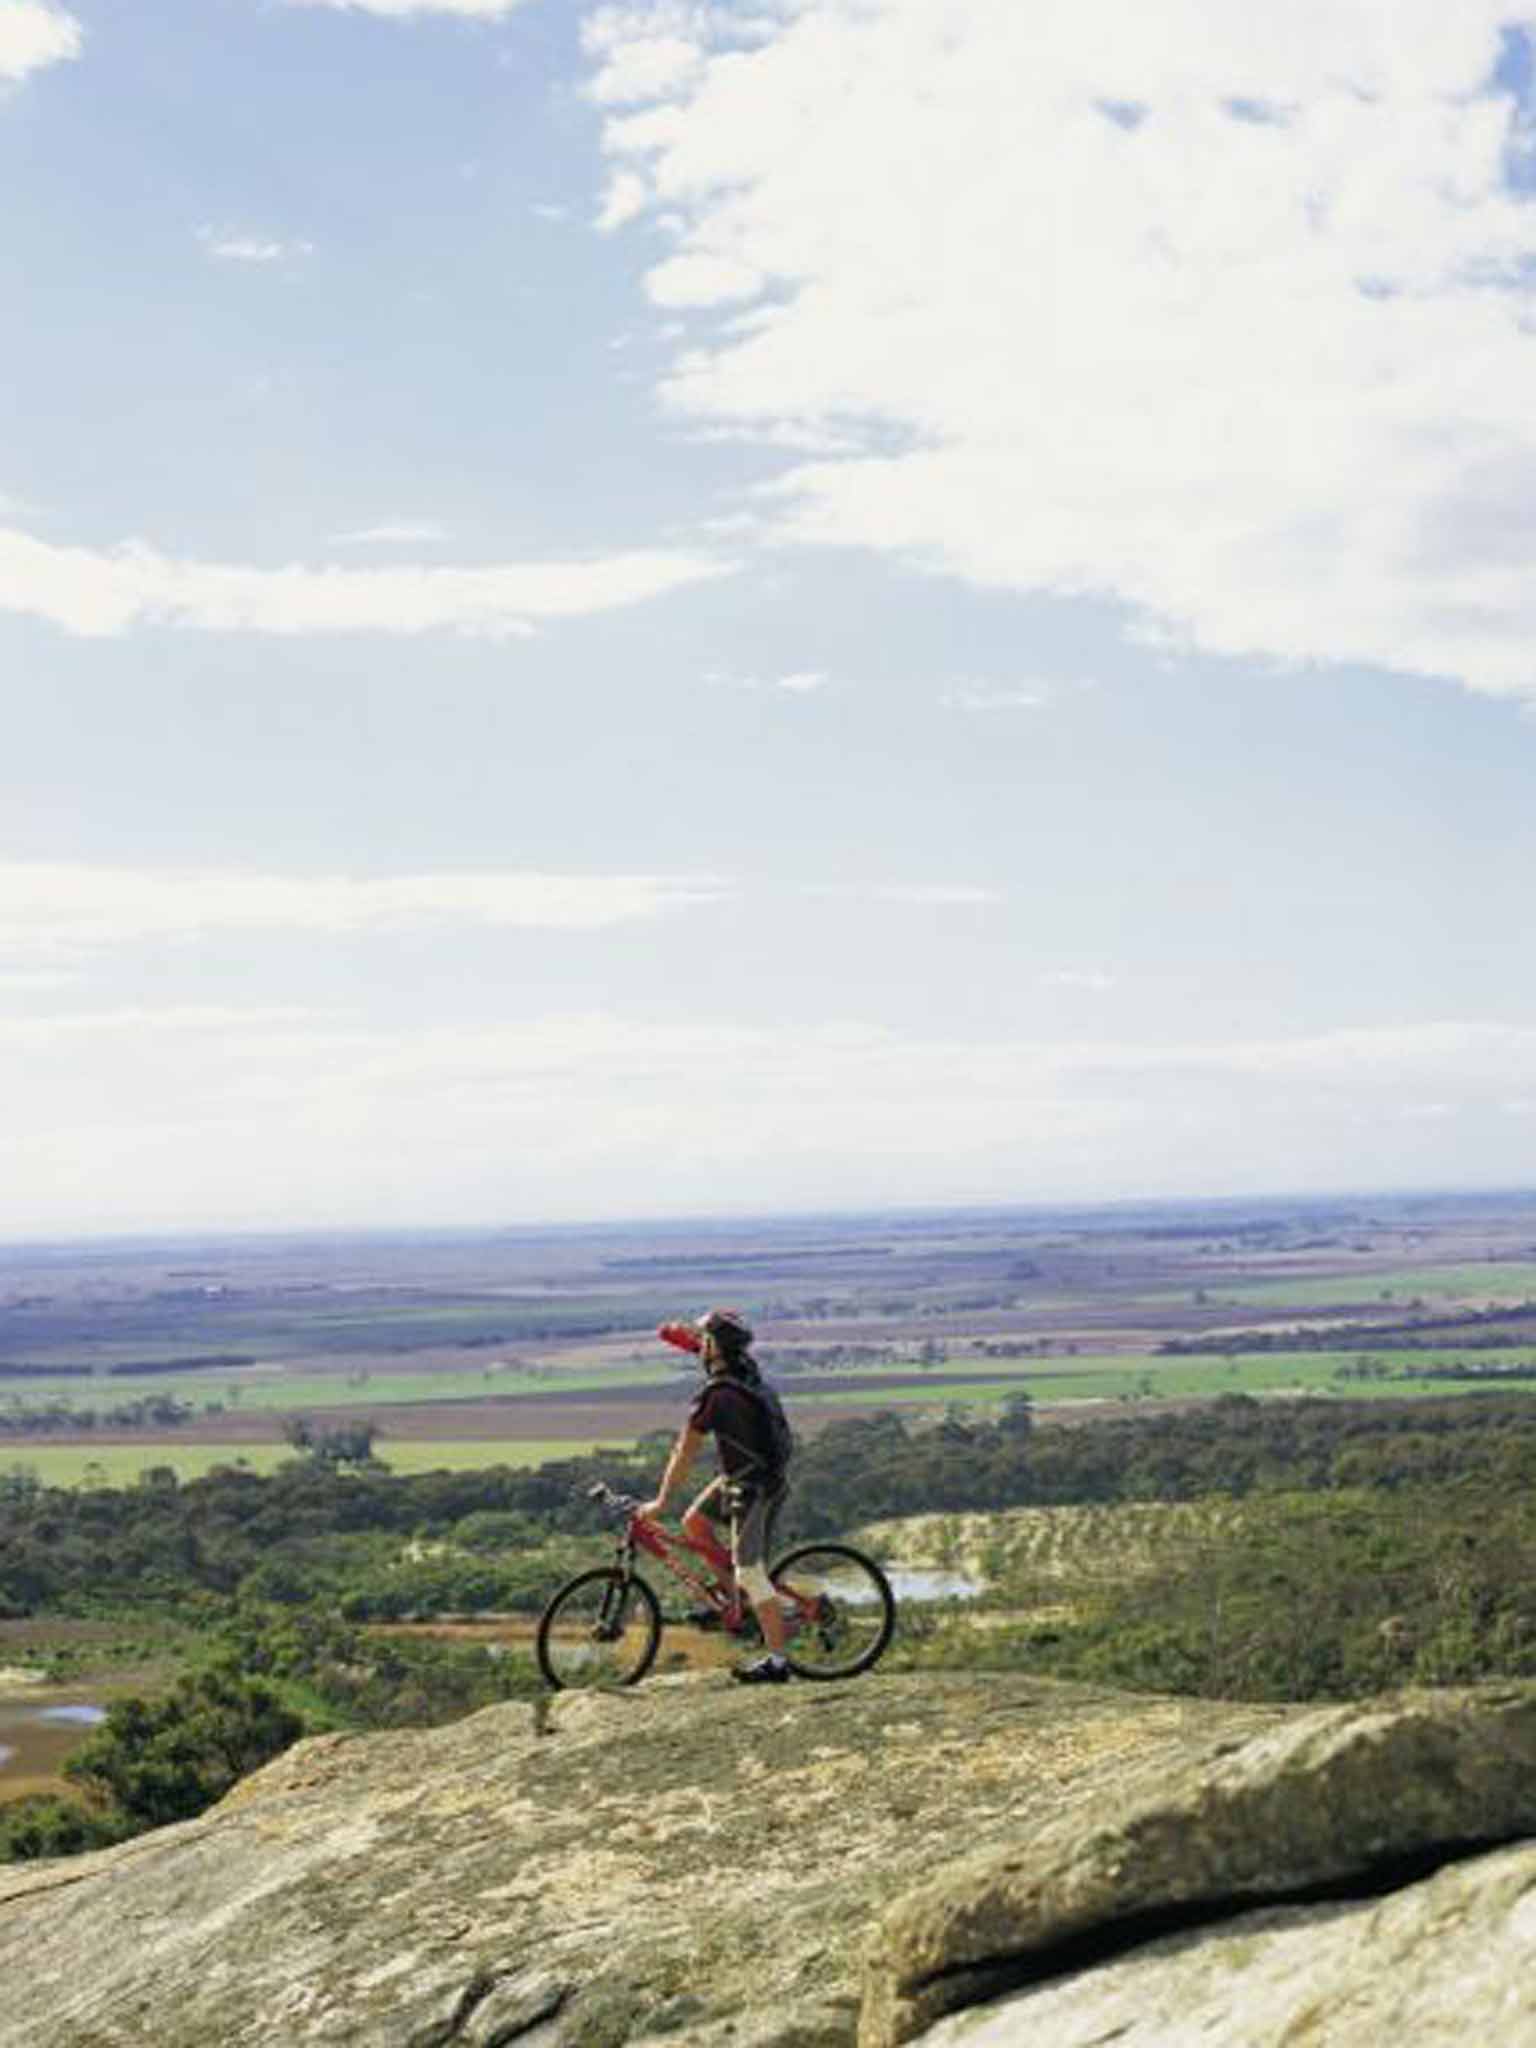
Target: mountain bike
[(603, 1627)]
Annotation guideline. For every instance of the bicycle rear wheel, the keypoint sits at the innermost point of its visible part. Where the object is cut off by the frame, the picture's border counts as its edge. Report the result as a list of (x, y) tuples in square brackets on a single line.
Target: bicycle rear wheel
[(601, 1629), (841, 1610)]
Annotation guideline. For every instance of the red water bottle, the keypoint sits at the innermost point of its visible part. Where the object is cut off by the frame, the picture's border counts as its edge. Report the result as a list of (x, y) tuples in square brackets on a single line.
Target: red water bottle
[(683, 1335)]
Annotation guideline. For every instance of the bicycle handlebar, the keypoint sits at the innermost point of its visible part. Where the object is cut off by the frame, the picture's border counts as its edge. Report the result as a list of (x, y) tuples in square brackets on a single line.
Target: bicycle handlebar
[(617, 1503)]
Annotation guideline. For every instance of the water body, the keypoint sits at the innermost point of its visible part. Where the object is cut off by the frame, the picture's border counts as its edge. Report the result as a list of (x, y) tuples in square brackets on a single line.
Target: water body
[(36, 1735), (913, 1582)]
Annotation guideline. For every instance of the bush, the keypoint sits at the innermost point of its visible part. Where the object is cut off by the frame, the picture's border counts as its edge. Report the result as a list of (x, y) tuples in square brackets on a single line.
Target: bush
[(49, 1826), (168, 1760)]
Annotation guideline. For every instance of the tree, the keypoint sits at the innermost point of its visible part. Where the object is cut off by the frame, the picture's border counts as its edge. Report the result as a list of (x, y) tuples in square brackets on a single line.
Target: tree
[(167, 1760), (1018, 1416), (47, 1826)]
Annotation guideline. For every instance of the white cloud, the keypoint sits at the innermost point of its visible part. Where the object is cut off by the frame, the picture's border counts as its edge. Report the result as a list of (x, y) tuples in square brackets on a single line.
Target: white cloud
[(108, 592), (937, 895), (225, 246), (992, 697), (803, 682), (624, 201), (49, 909), (392, 533), (922, 895), (33, 35), (1223, 313), (30, 981), (701, 279), (1091, 980), (402, 10), (292, 1115), (635, 68)]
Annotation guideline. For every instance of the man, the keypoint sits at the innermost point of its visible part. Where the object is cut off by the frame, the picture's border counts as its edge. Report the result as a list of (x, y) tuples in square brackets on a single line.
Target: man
[(752, 1443)]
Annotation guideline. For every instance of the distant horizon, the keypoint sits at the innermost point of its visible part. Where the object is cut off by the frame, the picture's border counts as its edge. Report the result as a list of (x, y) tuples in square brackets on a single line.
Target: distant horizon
[(744, 1220)]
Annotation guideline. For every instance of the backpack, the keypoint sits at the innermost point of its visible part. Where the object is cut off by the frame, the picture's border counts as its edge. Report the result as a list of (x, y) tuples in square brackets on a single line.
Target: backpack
[(780, 1435)]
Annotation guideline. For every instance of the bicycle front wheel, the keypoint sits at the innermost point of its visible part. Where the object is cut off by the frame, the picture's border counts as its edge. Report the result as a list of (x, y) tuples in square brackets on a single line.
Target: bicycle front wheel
[(840, 1609), (602, 1629)]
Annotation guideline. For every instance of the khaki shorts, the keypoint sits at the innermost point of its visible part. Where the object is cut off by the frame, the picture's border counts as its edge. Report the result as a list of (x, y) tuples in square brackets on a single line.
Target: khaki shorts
[(752, 1513)]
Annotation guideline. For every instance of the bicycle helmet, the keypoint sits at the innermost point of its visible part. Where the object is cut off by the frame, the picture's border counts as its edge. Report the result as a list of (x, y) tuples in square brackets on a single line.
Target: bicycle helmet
[(729, 1328)]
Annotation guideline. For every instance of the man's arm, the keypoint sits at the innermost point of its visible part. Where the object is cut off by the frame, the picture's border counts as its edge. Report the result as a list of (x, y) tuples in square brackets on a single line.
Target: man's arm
[(679, 1465)]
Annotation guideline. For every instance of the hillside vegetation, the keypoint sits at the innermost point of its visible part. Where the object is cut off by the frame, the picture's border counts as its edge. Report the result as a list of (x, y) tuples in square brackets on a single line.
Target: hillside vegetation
[(1268, 1552)]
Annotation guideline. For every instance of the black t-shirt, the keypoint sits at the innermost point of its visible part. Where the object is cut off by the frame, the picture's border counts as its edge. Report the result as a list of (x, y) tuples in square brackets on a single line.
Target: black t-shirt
[(740, 1426)]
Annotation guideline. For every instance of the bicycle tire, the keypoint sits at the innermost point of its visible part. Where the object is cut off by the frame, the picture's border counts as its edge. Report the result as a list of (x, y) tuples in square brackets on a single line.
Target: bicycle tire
[(602, 1628), (860, 1610)]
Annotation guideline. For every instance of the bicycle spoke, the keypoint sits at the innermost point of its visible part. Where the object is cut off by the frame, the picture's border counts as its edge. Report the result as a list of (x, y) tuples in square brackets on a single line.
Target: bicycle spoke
[(840, 1610), (602, 1629)]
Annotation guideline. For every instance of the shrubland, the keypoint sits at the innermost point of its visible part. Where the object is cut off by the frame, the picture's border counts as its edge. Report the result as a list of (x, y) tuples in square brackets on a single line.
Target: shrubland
[(1275, 1551)]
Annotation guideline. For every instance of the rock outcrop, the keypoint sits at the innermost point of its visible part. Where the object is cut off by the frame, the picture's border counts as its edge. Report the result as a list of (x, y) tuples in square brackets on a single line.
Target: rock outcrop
[(1449, 1962), (1360, 1798), (810, 1868)]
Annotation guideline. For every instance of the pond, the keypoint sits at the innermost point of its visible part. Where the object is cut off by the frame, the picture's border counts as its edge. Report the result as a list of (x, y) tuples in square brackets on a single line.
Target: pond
[(35, 1737), (926, 1582)]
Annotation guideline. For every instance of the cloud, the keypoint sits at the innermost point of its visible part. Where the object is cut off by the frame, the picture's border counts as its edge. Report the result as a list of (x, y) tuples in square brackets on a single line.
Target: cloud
[(34, 35), (56, 909), (624, 201), (293, 1115), (992, 697), (392, 533), (937, 895), (701, 280), (104, 593), (1218, 313), (1091, 980), (402, 10), (803, 682), (224, 246), (644, 54), (28, 981), (921, 895)]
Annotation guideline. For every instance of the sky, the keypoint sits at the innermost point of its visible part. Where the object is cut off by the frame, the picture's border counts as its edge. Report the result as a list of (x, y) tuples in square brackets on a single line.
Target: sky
[(668, 609)]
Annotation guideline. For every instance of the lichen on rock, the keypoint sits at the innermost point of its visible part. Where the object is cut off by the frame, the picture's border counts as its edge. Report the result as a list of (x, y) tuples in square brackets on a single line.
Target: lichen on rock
[(689, 1864)]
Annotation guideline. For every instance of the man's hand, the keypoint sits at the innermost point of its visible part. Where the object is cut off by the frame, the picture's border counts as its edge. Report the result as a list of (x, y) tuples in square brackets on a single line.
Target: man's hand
[(675, 1477)]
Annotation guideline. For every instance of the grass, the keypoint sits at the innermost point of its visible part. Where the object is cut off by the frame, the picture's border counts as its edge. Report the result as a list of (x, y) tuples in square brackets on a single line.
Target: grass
[(272, 1387), (1019, 1551), (120, 1464), (1434, 1285), (979, 1384), (1133, 1378), (963, 1382)]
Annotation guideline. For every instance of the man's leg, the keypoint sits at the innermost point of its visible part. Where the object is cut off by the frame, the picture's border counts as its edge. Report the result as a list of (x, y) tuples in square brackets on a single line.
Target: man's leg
[(751, 1535), (698, 1527)]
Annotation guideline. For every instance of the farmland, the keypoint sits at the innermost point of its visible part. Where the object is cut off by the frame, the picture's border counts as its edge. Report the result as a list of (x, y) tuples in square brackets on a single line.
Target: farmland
[(447, 1349)]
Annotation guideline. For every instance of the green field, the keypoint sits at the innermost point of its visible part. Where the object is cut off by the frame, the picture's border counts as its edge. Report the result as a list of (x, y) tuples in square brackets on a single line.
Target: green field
[(1120, 1377), (962, 1382), (1496, 1280), (120, 1464), (273, 1388)]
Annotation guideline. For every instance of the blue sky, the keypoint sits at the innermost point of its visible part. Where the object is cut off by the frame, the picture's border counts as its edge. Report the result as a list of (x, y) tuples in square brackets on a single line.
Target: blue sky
[(657, 609)]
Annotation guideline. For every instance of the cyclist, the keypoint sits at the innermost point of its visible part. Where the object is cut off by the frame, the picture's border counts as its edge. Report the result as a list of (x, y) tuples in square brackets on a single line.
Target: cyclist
[(742, 1413)]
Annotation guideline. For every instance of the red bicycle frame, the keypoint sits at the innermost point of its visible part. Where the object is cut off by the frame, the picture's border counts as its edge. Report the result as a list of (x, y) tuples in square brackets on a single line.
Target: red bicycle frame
[(673, 1552), (641, 1532)]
